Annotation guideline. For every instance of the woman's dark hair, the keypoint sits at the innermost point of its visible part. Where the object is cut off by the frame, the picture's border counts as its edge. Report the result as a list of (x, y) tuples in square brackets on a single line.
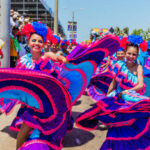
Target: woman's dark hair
[(35, 33), (133, 45)]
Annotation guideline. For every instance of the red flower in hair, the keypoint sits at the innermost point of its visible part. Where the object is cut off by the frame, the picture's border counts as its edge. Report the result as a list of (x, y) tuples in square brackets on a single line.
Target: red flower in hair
[(54, 41), (124, 42), (27, 30), (68, 42), (73, 41), (49, 35), (144, 46)]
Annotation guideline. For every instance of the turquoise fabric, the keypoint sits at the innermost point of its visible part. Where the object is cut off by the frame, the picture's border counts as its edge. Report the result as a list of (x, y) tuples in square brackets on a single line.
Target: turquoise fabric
[(142, 57), (23, 96), (126, 77)]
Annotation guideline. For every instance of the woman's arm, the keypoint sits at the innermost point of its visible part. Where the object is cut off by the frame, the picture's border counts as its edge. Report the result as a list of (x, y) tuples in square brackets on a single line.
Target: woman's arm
[(106, 64), (112, 86), (140, 84), (54, 57), (59, 53)]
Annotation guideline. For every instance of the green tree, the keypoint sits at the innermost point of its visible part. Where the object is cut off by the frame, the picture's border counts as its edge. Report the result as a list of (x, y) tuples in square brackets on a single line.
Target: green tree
[(148, 34), (117, 31), (145, 35), (139, 32), (126, 31)]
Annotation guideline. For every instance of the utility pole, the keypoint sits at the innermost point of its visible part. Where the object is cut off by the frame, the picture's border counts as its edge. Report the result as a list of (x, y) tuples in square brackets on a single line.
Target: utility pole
[(56, 18), (5, 31), (72, 24)]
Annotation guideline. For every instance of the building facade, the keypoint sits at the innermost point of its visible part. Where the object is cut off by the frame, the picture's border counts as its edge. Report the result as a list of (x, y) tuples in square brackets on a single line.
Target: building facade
[(37, 12)]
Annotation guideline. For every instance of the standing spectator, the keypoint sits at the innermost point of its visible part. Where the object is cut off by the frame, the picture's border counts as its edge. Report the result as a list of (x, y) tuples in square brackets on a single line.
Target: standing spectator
[(15, 17), (14, 46), (21, 42), (12, 23)]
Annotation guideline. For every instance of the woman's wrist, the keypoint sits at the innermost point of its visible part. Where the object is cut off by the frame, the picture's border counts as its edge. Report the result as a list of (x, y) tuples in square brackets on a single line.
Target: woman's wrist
[(126, 91)]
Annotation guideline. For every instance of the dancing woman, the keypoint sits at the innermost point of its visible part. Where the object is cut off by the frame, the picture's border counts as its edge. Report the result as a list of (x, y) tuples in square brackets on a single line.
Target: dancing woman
[(125, 110), (37, 34)]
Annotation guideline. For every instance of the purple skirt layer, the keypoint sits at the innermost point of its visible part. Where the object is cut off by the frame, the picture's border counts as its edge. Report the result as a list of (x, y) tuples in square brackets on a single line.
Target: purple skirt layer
[(8, 108), (48, 142), (99, 85), (45, 109), (128, 122), (38, 145), (124, 139)]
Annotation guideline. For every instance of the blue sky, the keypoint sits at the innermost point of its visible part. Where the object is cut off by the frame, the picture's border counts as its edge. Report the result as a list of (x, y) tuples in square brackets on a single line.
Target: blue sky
[(104, 14)]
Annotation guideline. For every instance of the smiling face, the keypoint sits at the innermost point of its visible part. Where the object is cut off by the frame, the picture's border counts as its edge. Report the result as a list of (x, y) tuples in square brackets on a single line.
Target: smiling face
[(36, 43), (131, 54), (54, 48), (47, 46), (120, 55)]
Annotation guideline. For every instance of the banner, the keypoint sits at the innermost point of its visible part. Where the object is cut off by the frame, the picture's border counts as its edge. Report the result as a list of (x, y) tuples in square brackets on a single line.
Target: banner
[(69, 26), (72, 28), (73, 36)]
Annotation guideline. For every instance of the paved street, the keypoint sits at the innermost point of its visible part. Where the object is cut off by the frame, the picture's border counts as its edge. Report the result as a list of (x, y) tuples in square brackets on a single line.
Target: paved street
[(75, 140)]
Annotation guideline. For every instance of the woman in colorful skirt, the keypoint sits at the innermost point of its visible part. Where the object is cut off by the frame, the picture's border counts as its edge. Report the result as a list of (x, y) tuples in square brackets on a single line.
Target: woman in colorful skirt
[(36, 34), (125, 110)]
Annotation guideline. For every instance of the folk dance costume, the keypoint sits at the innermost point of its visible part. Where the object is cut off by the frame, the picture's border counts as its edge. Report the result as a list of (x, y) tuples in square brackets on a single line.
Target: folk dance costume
[(101, 80), (47, 100), (146, 68), (128, 119), (144, 60)]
